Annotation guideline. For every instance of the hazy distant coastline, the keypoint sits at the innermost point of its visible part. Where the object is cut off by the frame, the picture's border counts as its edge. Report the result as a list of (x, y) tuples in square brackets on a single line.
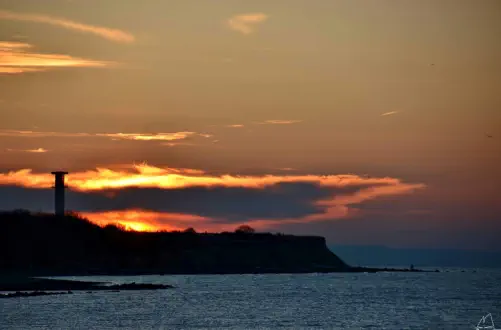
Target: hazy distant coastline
[(374, 256)]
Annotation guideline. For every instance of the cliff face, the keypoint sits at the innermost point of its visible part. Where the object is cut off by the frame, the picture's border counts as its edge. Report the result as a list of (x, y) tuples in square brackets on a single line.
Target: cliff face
[(62, 246), (234, 253)]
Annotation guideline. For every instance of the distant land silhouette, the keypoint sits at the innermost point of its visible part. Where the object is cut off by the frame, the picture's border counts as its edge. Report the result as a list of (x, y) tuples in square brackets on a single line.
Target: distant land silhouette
[(369, 255), (44, 244)]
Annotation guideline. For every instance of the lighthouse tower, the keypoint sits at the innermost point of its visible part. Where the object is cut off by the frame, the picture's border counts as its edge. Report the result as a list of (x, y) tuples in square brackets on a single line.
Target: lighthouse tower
[(59, 192)]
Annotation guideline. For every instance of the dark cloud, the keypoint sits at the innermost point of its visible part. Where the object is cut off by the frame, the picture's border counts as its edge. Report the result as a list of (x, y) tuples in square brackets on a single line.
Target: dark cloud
[(233, 204), (283, 200), (406, 221), (23, 198)]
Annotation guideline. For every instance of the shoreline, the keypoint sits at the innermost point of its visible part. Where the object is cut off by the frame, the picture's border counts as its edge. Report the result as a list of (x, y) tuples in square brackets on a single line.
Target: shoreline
[(20, 285), (147, 272), (12, 283), (43, 282)]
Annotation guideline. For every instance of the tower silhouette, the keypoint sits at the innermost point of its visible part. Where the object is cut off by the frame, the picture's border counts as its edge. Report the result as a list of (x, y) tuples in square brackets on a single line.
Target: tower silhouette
[(59, 192)]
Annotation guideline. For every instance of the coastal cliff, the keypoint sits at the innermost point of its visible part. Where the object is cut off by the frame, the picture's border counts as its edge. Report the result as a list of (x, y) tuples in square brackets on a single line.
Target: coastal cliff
[(40, 244)]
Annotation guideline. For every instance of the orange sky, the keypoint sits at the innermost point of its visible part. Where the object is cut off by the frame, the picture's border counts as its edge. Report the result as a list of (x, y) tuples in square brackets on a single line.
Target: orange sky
[(402, 97)]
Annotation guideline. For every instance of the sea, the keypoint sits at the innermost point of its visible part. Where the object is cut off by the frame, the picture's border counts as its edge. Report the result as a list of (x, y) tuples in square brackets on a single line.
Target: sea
[(449, 299)]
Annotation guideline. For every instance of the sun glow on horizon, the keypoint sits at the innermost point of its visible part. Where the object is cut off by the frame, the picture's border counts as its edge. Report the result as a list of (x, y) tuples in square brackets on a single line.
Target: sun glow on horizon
[(145, 221)]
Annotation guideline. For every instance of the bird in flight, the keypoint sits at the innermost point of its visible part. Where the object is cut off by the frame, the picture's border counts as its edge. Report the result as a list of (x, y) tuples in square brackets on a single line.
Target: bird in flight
[(489, 136)]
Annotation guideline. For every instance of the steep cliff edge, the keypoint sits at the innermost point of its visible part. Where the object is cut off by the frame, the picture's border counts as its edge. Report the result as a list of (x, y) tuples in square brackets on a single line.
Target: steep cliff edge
[(48, 245), (250, 253)]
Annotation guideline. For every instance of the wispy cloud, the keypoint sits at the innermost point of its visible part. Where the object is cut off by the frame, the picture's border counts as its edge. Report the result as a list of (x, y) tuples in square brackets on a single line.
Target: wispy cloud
[(104, 32), (38, 150), (287, 169), (15, 57), (178, 144), (34, 151), (11, 70), (391, 113), (38, 134), (174, 136), (280, 122), (246, 23), (10, 45), (149, 137), (236, 126)]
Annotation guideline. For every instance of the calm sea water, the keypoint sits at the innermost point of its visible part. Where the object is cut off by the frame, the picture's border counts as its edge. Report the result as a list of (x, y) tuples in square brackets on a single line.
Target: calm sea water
[(453, 300)]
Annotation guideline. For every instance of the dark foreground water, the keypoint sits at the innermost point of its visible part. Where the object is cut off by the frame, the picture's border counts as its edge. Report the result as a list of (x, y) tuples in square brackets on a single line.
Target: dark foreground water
[(453, 300)]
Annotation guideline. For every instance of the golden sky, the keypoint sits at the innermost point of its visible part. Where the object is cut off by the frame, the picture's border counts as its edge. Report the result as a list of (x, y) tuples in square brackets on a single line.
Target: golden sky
[(267, 104)]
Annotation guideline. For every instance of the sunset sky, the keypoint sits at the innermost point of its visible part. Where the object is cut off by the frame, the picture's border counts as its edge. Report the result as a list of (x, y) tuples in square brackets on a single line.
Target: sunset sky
[(367, 122)]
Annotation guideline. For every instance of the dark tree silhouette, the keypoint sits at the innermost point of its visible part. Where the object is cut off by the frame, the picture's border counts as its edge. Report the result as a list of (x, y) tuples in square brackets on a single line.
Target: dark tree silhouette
[(190, 230), (115, 227), (245, 229)]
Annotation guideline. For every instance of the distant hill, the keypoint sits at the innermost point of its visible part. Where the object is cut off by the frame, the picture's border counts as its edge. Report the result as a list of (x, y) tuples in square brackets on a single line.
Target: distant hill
[(371, 256), (41, 244)]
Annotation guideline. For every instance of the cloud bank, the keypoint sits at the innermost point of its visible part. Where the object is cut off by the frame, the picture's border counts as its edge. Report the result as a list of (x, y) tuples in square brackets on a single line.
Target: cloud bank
[(204, 201)]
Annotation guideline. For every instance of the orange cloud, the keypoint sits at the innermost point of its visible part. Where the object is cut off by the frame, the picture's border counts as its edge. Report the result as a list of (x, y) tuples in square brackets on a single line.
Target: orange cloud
[(246, 23), (149, 137), (205, 135), (178, 144), (167, 178), (36, 134), (7, 70), (147, 176), (114, 136), (37, 151), (15, 59), (389, 113), (280, 122), (103, 32), (25, 178), (287, 169), (9, 45)]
